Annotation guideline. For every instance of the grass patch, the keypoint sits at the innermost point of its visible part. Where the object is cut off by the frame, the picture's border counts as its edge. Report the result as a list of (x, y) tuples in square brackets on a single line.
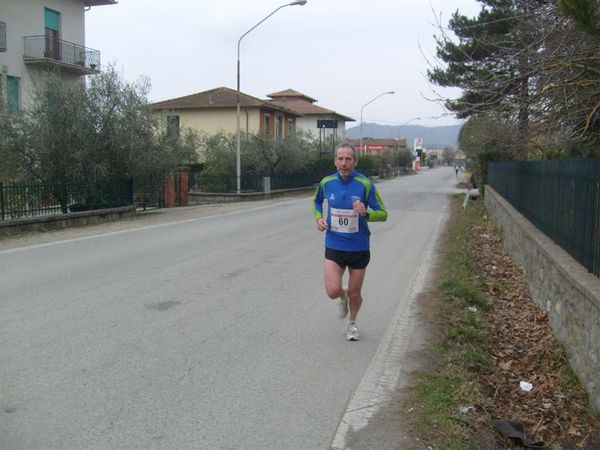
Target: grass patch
[(462, 287), (489, 334), (473, 358), (436, 419), (460, 348), (466, 328)]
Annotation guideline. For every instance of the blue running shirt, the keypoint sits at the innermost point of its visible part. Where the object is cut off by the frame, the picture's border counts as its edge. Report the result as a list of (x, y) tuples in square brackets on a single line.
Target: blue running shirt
[(348, 231)]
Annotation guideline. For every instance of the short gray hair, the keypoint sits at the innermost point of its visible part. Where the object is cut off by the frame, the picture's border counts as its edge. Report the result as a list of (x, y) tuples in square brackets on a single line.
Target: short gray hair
[(348, 146)]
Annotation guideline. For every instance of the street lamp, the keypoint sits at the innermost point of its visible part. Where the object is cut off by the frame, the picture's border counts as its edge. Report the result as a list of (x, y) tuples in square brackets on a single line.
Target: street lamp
[(361, 116), (406, 123), (238, 162), (409, 121)]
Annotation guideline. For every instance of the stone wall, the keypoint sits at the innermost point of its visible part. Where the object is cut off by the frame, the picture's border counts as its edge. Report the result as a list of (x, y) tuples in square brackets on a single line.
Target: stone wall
[(560, 286), (49, 222), (206, 198)]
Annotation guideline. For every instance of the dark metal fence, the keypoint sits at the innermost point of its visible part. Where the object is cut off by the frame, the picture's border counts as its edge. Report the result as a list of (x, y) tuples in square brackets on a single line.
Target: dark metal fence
[(228, 184), (254, 183), (291, 181), (149, 192), (63, 51), (224, 184), (561, 198), (149, 200), (20, 200)]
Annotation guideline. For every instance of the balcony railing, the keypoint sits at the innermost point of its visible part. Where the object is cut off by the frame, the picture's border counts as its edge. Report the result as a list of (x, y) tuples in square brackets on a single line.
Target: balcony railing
[(64, 55), (2, 37)]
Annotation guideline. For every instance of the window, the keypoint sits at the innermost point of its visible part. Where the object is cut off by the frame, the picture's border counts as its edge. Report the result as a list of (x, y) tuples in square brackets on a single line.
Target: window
[(267, 129), (2, 36), (13, 93), (290, 127), (52, 33), (173, 126), (278, 127)]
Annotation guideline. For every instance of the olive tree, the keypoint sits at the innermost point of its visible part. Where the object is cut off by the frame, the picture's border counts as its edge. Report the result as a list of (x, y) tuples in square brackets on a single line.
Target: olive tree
[(99, 131), (258, 156), (13, 156)]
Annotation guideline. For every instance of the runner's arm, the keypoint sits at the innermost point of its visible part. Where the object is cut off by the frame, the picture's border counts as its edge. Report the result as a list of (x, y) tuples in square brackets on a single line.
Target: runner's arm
[(377, 211), (317, 204)]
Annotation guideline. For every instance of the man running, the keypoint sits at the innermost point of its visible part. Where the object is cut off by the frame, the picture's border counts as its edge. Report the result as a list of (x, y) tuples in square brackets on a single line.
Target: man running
[(352, 201)]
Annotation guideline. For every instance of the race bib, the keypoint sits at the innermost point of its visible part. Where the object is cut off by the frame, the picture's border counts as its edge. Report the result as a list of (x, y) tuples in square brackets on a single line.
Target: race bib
[(344, 220)]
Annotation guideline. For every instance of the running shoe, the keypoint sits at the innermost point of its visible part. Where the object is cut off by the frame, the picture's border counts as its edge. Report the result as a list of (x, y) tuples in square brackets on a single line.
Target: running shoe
[(342, 306), (352, 332)]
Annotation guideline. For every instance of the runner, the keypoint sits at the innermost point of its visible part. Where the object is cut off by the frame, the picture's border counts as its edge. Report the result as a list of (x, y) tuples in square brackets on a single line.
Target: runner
[(352, 201)]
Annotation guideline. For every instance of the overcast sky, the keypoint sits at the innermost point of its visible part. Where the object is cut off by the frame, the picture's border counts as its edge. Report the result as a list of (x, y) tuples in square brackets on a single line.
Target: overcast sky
[(341, 52)]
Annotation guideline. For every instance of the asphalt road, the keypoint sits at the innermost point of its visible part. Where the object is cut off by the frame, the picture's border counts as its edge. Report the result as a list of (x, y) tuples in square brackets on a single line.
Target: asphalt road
[(207, 328)]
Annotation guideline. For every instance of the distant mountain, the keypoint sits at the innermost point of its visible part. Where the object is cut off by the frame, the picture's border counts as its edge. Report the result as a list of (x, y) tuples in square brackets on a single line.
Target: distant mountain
[(433, 137)]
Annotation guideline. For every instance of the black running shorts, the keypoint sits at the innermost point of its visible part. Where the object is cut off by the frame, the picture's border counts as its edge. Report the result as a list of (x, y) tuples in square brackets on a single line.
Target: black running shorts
[(354, 260)]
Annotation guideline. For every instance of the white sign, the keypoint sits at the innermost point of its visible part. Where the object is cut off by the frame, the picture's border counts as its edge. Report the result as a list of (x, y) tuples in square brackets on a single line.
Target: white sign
[(418, 143)]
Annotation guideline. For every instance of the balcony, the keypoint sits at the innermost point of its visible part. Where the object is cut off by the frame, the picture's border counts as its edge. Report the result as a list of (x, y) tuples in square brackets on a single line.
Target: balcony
[(61, 55), (89, 3), (2, 37)]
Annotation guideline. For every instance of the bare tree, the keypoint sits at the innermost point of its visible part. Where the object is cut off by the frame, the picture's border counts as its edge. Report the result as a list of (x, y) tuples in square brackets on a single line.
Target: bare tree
[(530, 64)]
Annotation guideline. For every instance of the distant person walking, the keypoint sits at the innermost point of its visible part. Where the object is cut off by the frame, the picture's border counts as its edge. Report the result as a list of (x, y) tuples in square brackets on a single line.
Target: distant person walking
[(352, 202)]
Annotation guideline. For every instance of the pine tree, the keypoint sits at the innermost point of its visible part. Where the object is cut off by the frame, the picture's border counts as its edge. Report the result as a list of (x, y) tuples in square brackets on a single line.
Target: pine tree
[(532, 64)]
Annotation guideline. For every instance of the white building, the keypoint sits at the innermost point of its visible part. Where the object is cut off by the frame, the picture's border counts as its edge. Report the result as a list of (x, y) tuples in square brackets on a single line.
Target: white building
[(37, 36), (216, 110), (322, 123)]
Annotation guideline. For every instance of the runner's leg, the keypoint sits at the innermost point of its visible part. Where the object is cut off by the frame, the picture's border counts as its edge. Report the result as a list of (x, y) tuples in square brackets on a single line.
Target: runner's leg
[(357, 276), (333, 279)]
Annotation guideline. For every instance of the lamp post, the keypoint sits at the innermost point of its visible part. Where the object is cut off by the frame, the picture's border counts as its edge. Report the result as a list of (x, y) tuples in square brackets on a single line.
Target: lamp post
[(238, 144), (409, 121), (361, 116), (406, 123)]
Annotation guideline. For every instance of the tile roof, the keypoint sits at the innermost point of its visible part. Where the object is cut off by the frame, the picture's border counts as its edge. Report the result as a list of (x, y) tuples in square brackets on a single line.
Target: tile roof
[(297, 101), (291, 94), (221, 97), (380, 141), (306, 108)]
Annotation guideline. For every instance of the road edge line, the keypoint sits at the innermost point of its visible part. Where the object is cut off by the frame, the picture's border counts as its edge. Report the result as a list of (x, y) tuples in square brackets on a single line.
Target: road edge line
[(383, 374)]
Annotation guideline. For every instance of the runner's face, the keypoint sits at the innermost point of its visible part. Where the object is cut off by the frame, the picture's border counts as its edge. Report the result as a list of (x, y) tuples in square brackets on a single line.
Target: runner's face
[(345, 162)]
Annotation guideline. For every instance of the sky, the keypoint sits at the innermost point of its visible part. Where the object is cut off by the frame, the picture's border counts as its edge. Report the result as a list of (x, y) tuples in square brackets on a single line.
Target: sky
[(343, 53)]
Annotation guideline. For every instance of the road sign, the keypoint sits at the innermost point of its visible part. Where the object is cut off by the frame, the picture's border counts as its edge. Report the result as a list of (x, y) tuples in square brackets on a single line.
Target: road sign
[(327, 124)]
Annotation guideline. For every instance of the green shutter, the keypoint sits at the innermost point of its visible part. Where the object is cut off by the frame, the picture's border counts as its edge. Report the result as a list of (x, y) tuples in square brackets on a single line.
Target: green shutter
[(12, 88), (51, 19)]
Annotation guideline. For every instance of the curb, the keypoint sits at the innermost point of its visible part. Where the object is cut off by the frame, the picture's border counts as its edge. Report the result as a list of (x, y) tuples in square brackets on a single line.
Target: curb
[(384, 373)]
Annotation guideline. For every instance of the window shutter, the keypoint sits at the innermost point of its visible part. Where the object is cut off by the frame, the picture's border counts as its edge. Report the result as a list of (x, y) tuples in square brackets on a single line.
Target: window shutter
[(51, 19)]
